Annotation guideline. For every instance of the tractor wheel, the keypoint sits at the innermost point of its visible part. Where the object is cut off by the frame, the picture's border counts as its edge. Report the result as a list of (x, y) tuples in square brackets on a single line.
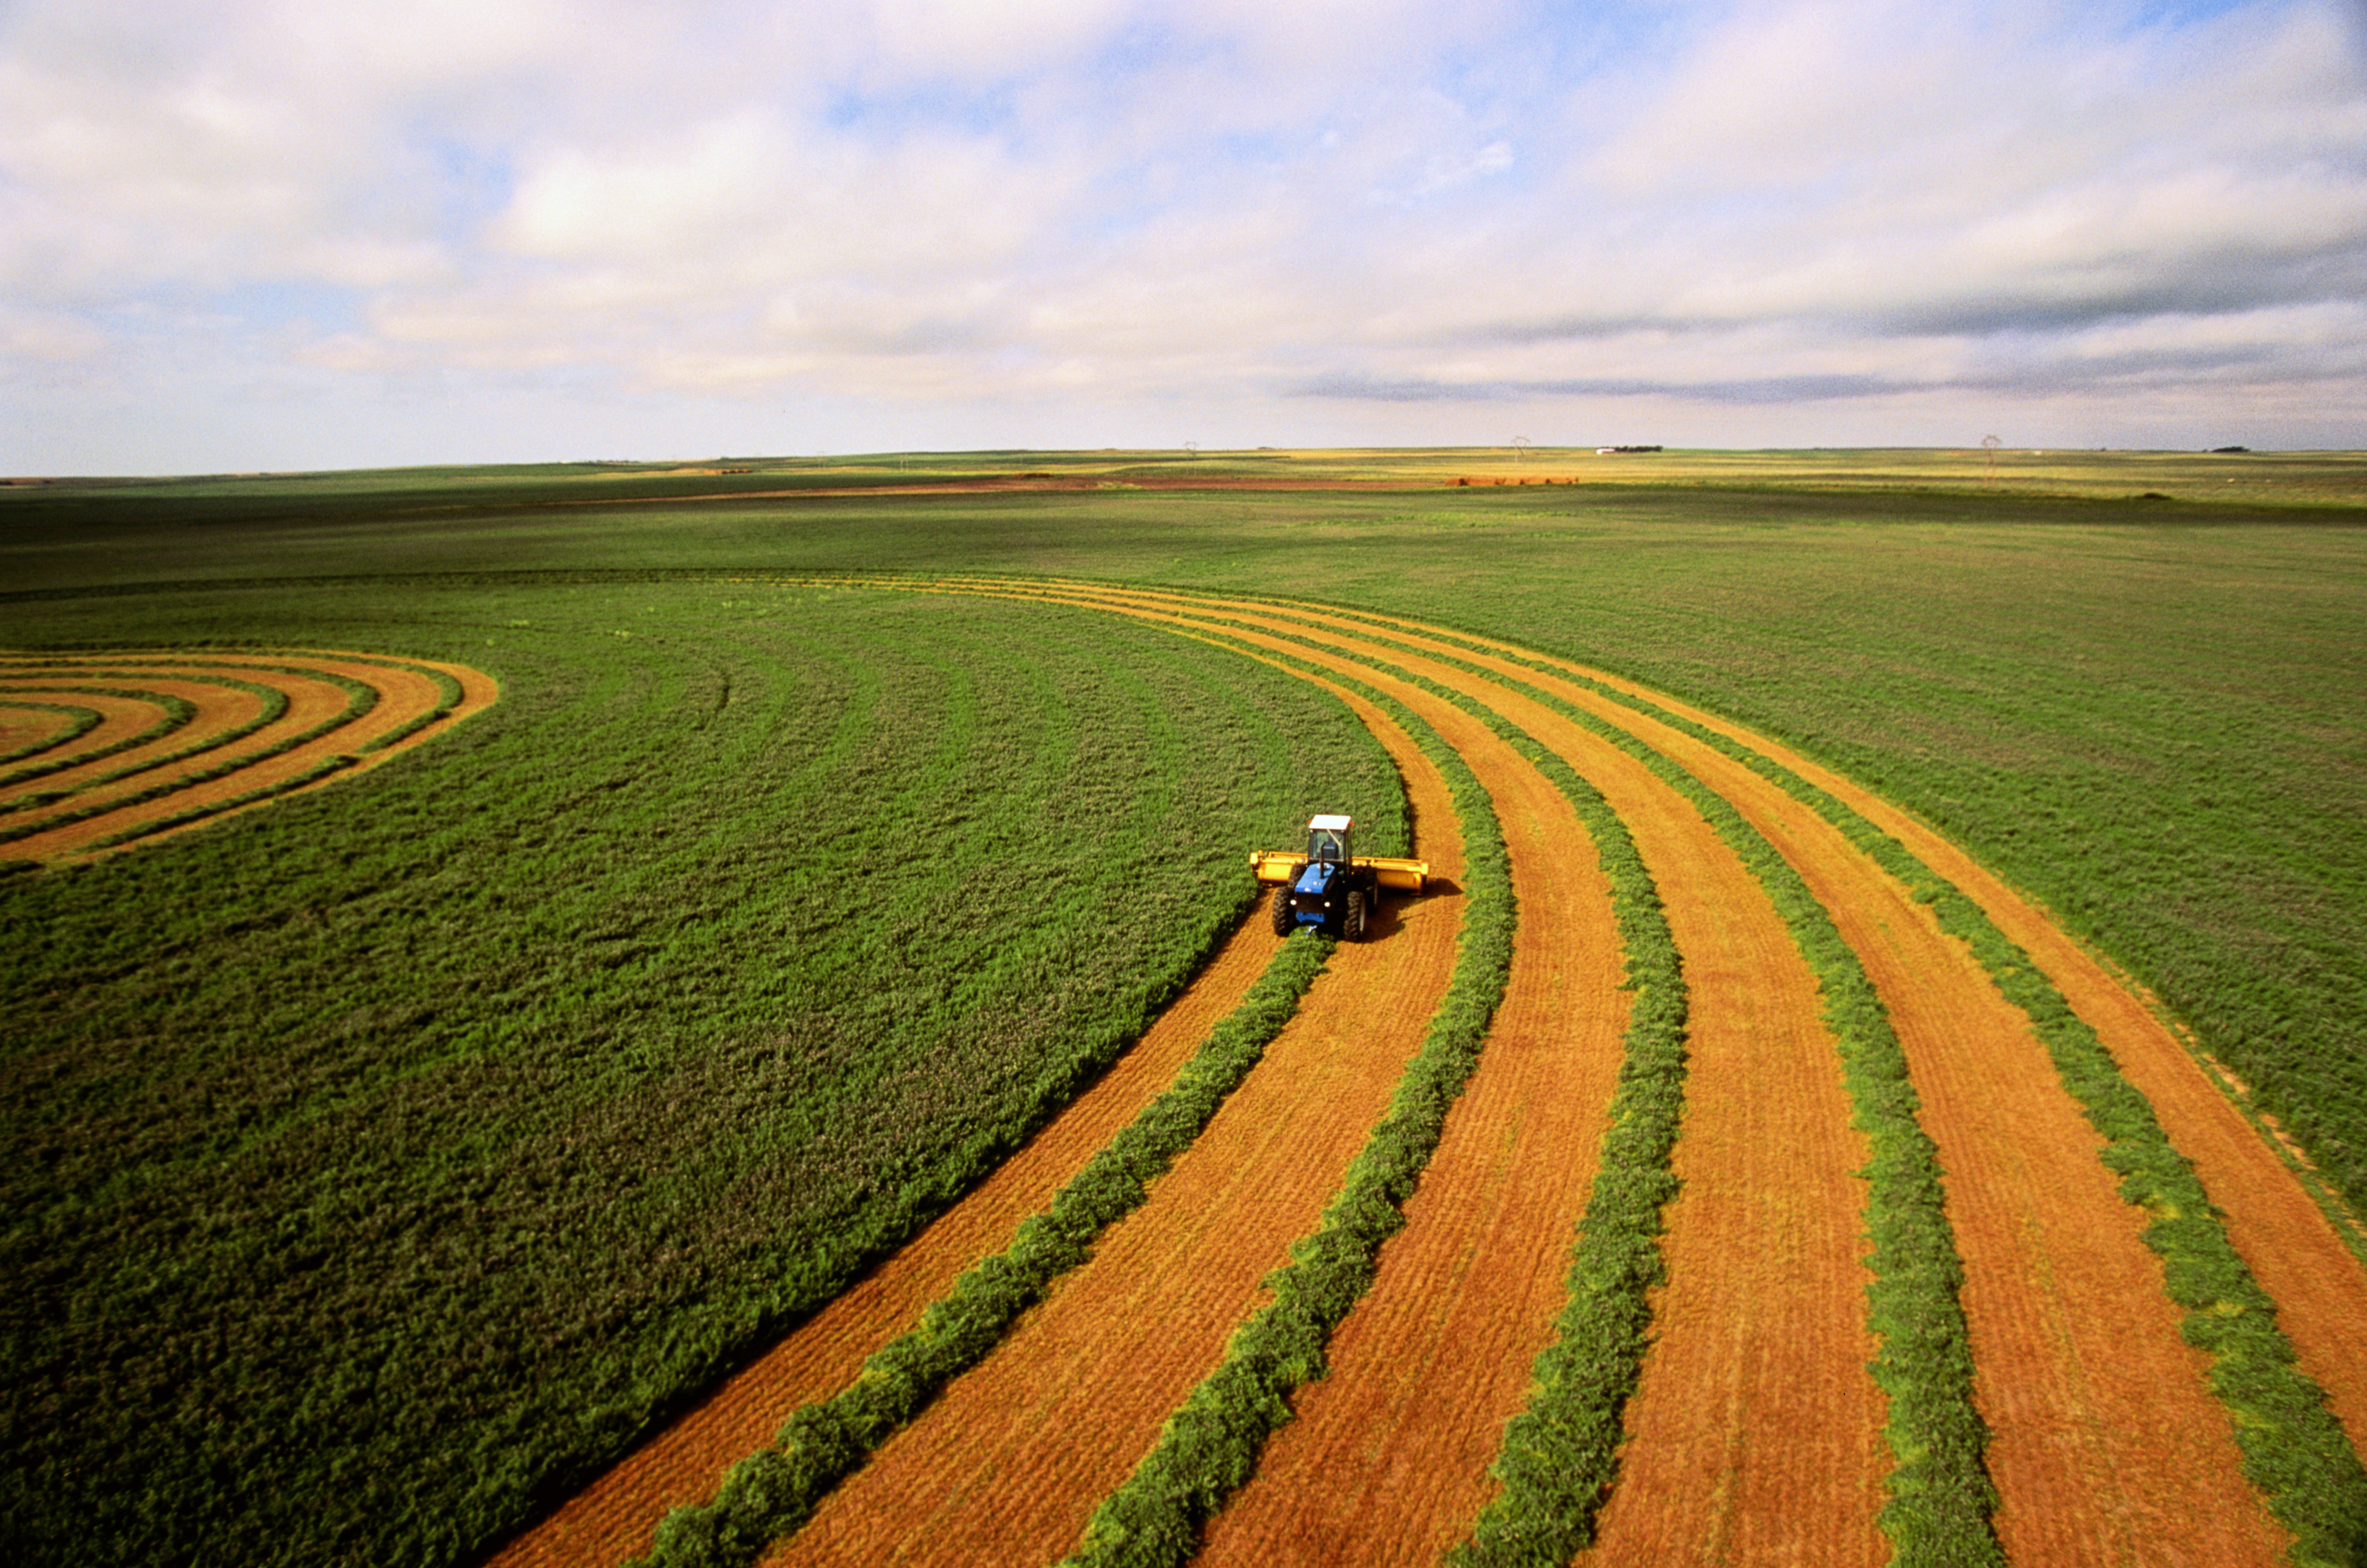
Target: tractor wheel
[(1351, 919), (1282, 921)]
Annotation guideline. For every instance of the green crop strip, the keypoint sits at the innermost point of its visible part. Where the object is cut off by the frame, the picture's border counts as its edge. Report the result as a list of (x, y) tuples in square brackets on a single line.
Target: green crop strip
[(1941, 1497), (2294, 1450), (177, 712), (1561, 1455), (1210, 1447), (772, 1493)]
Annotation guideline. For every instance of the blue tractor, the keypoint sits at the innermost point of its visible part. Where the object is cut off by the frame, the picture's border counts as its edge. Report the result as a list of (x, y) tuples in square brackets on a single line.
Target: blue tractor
[(1329, 888)]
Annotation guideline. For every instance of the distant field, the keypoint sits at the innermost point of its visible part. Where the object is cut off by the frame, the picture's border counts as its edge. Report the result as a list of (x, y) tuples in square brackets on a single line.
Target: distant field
[(555, 949)]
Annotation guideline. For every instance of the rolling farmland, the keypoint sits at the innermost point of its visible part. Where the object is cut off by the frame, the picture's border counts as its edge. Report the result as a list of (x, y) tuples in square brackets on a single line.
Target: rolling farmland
[(1719, 1164)]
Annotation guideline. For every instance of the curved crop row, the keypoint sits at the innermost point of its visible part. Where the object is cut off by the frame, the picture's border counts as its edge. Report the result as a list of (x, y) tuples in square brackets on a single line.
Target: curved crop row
[(579, 1065), (2322, 1508), (1210, 1447), (243, 754), (1923, 1515), (2294, 1449), (75, 722), (173, 713), (1559, 1462), (774, 1491), (962, 918)]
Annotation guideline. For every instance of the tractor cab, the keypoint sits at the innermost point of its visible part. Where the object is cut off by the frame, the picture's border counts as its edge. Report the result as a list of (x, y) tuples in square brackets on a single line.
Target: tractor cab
[(1327, 840)]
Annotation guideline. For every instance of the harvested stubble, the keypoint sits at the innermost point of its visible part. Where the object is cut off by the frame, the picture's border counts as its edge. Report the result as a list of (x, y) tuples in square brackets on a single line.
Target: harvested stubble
[(1891, 968), (2289, 1242), (2294, 1449), (123, 724), (2105, 1434), (1211, 1446), (30, 728)]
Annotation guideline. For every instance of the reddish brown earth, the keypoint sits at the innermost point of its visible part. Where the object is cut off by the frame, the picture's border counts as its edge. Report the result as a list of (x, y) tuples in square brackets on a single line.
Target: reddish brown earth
[(1744, 1444), (617, 1516), (2105, 1440), (30, 731), (1008, 1463), (2287, 1241), (1387, 1459), (404, 690)]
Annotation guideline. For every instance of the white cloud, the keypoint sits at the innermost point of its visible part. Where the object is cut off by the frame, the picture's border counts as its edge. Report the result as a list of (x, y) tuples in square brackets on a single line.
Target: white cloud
[(968, 209)]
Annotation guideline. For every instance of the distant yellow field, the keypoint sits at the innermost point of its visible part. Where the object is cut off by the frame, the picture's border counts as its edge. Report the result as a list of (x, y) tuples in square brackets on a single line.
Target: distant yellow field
[(2325, 478)]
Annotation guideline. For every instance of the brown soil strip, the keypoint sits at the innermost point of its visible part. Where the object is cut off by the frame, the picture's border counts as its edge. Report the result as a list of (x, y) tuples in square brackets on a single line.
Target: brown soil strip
[(1010, 1461), (24, 728), (2295, 1252), (1755, 1434), (121, 718), (221, 710), (2106, 1440), (405, 692), (617, 1516), (1387, 1459)]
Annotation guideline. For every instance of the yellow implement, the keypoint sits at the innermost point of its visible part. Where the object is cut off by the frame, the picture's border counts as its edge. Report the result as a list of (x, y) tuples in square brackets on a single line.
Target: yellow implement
[(1274, 866)]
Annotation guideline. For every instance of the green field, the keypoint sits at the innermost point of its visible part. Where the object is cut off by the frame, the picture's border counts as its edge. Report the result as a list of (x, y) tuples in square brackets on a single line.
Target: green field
[(381, 1163)]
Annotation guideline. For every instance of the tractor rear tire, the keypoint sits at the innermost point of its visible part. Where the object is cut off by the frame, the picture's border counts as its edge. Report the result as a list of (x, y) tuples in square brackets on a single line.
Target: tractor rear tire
[(1282, 921), (1351, 919)]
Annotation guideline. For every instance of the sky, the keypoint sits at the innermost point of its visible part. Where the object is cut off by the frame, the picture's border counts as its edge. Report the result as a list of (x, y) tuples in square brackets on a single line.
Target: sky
[(277, 234)]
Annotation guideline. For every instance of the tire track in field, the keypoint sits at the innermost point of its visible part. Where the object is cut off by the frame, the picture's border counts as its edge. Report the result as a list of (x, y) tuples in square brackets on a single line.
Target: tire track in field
[(617, 1516), (1076, 1393), (1743, 1444), (223, 760)]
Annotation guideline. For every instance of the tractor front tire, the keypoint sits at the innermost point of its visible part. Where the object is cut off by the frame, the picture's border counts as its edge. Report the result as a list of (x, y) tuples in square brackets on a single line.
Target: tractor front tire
[(1351, 919), (1282, 921)]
